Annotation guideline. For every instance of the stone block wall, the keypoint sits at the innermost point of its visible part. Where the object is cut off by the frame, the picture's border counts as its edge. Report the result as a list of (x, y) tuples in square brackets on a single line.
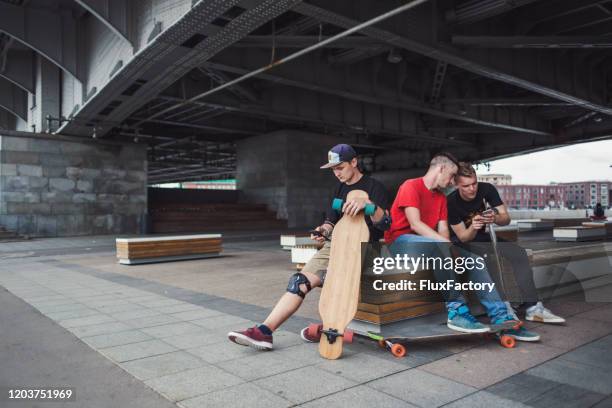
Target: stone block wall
[(56, 188)]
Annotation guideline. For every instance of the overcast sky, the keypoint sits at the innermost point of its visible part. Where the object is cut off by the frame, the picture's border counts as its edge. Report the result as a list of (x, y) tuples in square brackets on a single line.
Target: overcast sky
[(581, 162)]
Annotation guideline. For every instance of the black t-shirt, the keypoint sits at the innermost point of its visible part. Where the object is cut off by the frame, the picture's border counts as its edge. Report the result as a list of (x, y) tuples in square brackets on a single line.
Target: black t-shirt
[(378, 195), (463, 211)]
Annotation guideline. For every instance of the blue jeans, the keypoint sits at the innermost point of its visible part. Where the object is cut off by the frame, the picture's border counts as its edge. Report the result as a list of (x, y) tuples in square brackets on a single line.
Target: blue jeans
[(416, 246)]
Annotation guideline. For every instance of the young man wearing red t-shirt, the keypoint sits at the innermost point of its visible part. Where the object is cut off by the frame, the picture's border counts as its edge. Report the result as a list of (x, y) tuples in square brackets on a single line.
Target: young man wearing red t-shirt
[(419, 219)]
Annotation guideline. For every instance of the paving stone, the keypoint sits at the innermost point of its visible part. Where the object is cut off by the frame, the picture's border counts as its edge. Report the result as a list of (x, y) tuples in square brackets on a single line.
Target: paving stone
[(566, 396), (241, 395), (62, 308), (421, 388), (119, 309), (201, 313), (135, 351), (522, 387), (86, 321), (483, 399), (160, 303), (491, 363), (220, 321), (134, 314), (71, 314), (177, 308), (576, 332), (151, 321), (361, 367), (116, 339), (304, 384), (603, 314), (101, 328), (173, 329), (191, 383), (360, 396), (579, 375), (221, 351), (591, 354), (193, 340), (260, 365), (165, 364)]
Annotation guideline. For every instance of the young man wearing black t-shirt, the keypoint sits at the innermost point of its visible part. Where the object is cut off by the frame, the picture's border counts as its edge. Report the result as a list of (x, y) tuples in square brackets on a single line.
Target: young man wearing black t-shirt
[(467, 217), (342, 159)]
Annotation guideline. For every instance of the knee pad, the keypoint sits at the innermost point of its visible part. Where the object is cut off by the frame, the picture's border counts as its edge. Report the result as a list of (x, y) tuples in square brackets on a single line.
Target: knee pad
[(295, 281)]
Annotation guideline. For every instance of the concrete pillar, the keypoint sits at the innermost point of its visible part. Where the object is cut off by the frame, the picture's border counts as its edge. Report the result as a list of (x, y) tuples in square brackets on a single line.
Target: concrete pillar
[(60, 187), (281, 170), (46, 101)]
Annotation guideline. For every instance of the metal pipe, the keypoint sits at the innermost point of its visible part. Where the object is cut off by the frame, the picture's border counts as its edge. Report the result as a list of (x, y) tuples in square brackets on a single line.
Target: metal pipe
[(290, 57)]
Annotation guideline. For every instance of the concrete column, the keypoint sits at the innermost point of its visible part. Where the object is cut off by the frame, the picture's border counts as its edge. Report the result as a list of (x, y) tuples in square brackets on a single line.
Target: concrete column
[(46, 101), (281, 170)]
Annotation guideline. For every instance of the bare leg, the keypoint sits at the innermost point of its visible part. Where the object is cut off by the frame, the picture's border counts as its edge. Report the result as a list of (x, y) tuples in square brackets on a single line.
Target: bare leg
[(289, 303)]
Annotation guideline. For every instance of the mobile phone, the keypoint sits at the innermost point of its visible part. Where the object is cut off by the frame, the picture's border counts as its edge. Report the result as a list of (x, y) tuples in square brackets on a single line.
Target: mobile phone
[(488, 213), (317, 233)]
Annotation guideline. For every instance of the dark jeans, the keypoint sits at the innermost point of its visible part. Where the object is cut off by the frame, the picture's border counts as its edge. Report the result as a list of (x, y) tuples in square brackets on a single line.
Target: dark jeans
[(519, 260)]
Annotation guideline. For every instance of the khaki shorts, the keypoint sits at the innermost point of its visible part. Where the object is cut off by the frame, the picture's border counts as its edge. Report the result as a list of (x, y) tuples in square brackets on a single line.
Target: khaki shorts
[(319, 262)]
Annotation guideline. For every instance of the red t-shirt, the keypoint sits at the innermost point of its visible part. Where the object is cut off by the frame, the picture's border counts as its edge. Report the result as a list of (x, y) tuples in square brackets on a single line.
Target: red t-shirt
[(413, 193)]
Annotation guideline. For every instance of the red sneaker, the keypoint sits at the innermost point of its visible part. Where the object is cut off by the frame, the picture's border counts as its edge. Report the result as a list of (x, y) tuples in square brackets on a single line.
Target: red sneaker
[(252, 337), (307, 337)]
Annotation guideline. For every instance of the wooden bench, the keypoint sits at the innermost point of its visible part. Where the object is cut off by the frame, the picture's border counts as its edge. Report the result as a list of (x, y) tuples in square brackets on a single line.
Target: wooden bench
[(131, 251), (606, 225), (290, 241), (578, 233), (535, 225)]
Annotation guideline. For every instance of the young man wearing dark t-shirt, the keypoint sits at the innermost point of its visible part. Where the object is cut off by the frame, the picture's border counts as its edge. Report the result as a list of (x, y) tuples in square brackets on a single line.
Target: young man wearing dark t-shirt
[(466, 206), (342, 159), (419, 215)]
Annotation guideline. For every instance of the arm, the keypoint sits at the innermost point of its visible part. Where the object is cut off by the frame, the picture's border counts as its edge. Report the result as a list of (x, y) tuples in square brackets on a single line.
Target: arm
[(468, 234), (443, 229), (502, 217), (414, 218)]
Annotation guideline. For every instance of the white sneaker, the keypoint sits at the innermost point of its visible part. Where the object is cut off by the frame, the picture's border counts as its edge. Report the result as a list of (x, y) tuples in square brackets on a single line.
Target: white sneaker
[(538, 313)]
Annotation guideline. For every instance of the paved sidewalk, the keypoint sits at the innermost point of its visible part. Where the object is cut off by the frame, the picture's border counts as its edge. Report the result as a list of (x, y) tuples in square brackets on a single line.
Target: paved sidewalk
[(172, 339)]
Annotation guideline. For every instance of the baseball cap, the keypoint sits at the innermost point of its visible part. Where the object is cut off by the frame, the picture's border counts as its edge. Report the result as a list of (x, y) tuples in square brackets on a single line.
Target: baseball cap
[(338, 154)]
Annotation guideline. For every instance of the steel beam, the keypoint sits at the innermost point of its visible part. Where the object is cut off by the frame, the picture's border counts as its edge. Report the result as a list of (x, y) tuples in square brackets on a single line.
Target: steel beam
[(335, 79), (476, 10), (545, 42), (51, 34), (114, 14), (18, 68), (489, 69), (13, 99), (303, 41)]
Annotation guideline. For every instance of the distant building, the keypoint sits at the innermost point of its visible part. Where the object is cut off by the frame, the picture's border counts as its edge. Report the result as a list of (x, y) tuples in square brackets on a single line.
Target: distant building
[(496, 179), (536, 197), (586, 194)]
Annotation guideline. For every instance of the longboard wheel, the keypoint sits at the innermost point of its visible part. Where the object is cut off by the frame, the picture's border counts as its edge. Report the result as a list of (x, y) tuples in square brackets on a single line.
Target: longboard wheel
[(398, 350), (369, 209), (348, 336), (507, 341), (314, 330), (337, 204)]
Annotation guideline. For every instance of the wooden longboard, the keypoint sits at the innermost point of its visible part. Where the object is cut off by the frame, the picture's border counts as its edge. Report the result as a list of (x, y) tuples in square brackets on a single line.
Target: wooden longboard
[(340, 294)]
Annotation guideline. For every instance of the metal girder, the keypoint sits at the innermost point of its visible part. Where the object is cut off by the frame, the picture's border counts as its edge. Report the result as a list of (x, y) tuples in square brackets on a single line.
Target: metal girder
[(438, 81), (492, 67), (476, 10), (114, 14), (337, 83), (13, 99), (302, 41), (505, 102), (545, 42), (165, 61), (51, 34), (531, 17), (18, 68)]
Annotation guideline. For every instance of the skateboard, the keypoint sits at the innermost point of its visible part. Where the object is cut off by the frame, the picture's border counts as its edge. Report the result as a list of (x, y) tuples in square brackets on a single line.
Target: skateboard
[(397, 344), (340, 293)]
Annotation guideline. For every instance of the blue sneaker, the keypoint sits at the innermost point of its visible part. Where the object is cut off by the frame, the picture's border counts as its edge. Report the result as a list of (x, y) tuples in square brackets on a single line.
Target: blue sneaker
[(461, 320), (522, 334)]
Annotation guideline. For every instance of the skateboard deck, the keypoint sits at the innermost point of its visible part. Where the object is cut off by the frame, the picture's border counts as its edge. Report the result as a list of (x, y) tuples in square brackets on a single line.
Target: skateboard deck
[(340, 293), (397, 344)]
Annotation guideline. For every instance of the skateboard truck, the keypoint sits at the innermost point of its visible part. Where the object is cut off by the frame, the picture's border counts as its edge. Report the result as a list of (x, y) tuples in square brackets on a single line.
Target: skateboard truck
[(331, 335)]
